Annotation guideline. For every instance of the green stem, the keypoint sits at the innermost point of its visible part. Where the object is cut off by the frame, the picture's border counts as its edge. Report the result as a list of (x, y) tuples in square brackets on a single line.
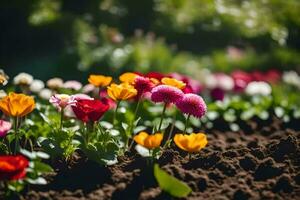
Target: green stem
[(162, 117), (115, 113), (16, 135), (172, 127), (186, 123), (61, 118)]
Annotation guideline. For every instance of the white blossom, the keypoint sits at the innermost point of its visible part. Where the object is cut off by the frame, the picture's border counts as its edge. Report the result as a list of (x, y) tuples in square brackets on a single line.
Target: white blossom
[(36, 86), (55, 83), (23, 79), (45, 94), (258, 88)]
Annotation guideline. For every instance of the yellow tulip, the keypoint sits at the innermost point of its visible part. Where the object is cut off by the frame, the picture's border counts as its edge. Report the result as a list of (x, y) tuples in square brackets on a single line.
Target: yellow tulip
[(122, 91), (99, 80), (148, 141), (128, 77), (191, 143), (173, 82), (17, 105)]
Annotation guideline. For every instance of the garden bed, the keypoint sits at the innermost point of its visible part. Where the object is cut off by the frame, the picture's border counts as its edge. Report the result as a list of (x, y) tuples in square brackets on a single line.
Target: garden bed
[(261, 161)]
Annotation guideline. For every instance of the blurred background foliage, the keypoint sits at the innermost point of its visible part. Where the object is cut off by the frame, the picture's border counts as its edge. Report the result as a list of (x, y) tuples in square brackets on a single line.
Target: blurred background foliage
[(72, 38)]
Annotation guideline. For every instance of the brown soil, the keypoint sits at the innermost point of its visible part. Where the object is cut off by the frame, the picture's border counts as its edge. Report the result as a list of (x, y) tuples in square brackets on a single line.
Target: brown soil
[(260, 162)]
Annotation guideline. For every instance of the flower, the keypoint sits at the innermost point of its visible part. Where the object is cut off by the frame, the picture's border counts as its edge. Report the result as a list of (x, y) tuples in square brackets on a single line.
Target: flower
[(88, 88), (217, 94), (90, 110), (173, 82), (13, 167), (23, 79), (192, 85), (192, 104), (55, 83), (3, 78), (17, 105), (99, 80), (122, 91), (148, 141), (166, 93), (5, 126), (128, 77), (2, 94), (191, 143), (74, 85), (241, 80), (258, 88), (291, 78), (219, 80), (61, 101), (36, 86), (142, 85), (156, 75), (68, 111), (45, 94)]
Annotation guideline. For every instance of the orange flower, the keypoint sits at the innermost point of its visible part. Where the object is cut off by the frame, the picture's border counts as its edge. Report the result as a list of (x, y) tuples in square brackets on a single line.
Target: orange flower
[(173, 82), (17, 105), (148, 141), (128, 77), (191, 143), (99, 80), (122, 91)]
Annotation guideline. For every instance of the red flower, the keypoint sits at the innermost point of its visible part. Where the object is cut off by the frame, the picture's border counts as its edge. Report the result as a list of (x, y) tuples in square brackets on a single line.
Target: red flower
[(13, 167), (90, 110), (155, 75), (241, 80), (273, 76)]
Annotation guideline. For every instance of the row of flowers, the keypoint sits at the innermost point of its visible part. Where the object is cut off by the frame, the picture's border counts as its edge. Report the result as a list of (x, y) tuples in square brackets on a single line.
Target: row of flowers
[(216, 84), (109, 113)]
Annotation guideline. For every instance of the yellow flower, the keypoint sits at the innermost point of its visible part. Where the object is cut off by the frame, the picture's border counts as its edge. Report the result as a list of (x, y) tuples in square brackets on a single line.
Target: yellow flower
[(17, 105), (191, 143), (173, 82), (128, 77), (122, 91), (99, 80), (148, 141)]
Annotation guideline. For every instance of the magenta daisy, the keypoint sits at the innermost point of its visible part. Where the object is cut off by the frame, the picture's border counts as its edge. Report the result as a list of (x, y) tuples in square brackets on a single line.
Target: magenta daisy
[(166, 94), (143, 85), (192, 104)]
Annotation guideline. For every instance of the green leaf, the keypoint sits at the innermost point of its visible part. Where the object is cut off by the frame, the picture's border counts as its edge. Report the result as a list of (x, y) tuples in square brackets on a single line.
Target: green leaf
[(170, 184), (41, 167)]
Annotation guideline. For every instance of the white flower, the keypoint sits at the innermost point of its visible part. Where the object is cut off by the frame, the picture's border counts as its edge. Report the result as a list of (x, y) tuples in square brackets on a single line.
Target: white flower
[(3, 78), (37, 86), (55, 83), (258, 88), (74, 85), (292, 78), (23, 79), (88, 88), (45, 94), (2, 94), (221, 81)]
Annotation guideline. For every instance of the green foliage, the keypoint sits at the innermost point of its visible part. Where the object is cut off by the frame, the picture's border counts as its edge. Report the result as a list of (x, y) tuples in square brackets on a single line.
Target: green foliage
[(170, 184)]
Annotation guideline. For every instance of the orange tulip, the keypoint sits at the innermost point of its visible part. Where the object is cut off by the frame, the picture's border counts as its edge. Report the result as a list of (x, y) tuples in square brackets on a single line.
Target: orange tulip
[(122, 91), (99, 80), (17, 105), (128, 77), (173, 82), (191, 143), (148, 141)]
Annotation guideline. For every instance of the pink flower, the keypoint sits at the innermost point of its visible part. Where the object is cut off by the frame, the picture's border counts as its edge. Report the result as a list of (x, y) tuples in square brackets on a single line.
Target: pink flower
[(61, 101), (217, 94), (74, 85), (166, 94), (88, 88), (143, 85), (192, 104), (5, 126), (192, 85), (241, 80)]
